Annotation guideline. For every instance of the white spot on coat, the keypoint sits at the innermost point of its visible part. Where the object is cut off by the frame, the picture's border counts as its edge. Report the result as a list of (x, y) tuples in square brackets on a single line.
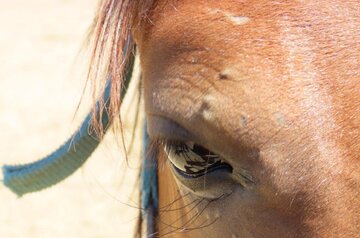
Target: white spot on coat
[(235, 19), (238, 20), (206, 108)]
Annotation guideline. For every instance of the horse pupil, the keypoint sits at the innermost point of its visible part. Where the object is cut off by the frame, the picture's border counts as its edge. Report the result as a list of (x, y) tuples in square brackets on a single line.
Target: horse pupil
[(201, 151)]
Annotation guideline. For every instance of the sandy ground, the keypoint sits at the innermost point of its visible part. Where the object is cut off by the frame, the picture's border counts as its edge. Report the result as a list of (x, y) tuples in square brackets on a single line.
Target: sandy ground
[(41, 80)]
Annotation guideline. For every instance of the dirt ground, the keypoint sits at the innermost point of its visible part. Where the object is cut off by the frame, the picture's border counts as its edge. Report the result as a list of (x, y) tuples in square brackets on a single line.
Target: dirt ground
[(41, 81)]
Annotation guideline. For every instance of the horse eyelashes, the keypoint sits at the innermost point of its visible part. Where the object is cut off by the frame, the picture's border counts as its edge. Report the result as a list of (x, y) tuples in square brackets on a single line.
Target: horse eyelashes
[(191, 159)]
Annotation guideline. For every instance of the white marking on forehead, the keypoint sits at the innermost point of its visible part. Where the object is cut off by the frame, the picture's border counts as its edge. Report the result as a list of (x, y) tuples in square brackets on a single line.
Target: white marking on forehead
[(206, 111), (209, 99), (208, 116), (234, 18), (238, 20)]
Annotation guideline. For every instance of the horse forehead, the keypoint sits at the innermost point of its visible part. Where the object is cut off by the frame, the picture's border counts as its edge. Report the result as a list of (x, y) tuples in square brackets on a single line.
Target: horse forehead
[(249, 24), (263, 40)]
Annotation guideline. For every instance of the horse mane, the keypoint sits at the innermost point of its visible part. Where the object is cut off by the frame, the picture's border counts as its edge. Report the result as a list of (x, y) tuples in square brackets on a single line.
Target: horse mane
[(111, 43)]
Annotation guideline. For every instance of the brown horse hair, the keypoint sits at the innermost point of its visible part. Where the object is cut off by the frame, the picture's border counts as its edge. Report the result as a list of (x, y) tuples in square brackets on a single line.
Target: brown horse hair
[(111, 44)]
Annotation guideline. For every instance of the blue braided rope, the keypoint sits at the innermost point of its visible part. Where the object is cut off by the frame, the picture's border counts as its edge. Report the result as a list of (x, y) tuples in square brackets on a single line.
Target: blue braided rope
[(149, 187), (60, 164), (69, 157)]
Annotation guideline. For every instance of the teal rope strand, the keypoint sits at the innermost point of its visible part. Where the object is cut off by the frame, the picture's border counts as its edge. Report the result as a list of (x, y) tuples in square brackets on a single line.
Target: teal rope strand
[(149, 186), (69, 157)]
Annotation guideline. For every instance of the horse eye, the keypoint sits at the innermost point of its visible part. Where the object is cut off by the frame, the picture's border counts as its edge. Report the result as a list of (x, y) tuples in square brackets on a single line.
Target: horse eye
[(192, 160)]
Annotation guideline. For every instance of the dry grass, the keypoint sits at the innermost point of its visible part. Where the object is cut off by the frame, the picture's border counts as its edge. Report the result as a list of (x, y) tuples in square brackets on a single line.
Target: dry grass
[(40, 86)]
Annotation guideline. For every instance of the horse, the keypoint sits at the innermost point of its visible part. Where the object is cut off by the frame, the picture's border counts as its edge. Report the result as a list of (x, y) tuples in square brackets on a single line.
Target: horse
[(252, 109)]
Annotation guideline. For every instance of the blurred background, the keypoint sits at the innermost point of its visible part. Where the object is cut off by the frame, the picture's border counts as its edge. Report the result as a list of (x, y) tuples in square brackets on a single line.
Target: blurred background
[(42, 75)]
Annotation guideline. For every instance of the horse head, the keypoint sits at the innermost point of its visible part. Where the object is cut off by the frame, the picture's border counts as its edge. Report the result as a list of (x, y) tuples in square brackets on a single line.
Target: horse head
[(257, 105), (252, 108)]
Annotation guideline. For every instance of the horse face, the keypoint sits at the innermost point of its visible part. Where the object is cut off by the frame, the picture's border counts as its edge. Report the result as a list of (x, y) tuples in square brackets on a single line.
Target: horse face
[(272, 90)]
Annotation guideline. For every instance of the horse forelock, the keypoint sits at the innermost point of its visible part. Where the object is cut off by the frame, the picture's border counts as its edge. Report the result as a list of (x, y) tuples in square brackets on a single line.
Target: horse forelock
[(111, 43)]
